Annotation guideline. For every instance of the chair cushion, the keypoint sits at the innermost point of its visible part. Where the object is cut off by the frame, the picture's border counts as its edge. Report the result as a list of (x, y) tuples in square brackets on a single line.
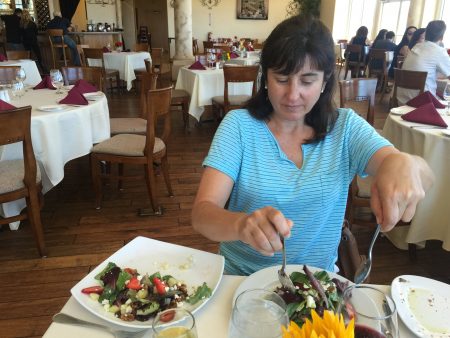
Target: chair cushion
[(11, 175), (179, 93), (234, 100), (126, 145), (128, 125), (364, 185)]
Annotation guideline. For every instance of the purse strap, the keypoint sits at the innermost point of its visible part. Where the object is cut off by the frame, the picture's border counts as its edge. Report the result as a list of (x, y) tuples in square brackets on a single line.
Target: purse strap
[(348, 253)]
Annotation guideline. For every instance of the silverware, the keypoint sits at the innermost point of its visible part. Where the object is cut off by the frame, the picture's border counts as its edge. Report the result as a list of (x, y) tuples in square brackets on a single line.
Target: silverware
[(363, 270), (427, 127), (68, 319), (282, 276)]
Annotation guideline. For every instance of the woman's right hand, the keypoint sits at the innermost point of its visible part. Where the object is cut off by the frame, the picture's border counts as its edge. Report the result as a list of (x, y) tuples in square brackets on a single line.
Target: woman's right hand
[(262, 229)]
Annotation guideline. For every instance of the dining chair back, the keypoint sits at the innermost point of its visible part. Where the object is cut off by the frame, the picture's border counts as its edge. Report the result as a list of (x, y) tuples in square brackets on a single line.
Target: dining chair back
[(110, 75), (207, 45), (18, 54), (141, 47), (164, 69), (378, 67), (138, 149), (195, 49), (58, 35), (400, 60), (355, 92), (354, 61), (21, 178), (93, 75), (408, 79), (8, 73)]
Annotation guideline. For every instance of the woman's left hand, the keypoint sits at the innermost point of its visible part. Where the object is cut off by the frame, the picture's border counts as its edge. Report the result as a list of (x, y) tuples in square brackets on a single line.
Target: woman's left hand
[(399, 184)]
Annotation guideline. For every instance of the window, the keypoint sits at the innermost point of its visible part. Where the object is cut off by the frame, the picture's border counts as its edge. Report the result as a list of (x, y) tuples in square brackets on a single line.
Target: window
[(393, 16), (8, 6), (445, 15), (349, 15)]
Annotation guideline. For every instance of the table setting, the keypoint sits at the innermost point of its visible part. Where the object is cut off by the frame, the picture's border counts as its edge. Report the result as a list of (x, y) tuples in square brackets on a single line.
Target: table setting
[(245, 306)]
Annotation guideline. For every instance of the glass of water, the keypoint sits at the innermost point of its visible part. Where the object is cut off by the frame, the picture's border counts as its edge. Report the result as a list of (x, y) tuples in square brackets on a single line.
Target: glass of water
[(21, 75), (446, 95), (258, 313), (17, 89), (57, 80)]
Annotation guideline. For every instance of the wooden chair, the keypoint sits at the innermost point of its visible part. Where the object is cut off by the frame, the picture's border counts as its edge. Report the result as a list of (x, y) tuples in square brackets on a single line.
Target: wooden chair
[(181, 98), (400, 60), (163, 69), (138, 149), (141, 47), (378, 67), (356, 66), (235, 74), (356, 91), (93, 75), (8, 73), (207, 45), (195, 49), (55, 46), (81, 54), (409, 79), (139, 71), (110, 75), (21, 178), (18, 54)]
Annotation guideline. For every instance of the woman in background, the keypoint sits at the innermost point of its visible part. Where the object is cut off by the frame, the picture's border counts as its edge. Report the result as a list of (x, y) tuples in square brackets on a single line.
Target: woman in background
[(359, 39), (418, 36), (29, 33), (380, 36), (402, 48)]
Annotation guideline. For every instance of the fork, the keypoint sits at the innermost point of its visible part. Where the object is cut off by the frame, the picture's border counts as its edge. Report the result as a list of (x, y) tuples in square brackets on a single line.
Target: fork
[(362, 272), (282, 276)]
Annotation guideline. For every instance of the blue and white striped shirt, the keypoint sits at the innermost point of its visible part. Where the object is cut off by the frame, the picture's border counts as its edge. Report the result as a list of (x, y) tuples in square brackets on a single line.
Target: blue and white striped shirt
[(313, 197)]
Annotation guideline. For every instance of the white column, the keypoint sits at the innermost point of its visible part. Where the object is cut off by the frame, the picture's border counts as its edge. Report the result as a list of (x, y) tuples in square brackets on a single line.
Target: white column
[(183, 29), (415, 13), (119, 13)]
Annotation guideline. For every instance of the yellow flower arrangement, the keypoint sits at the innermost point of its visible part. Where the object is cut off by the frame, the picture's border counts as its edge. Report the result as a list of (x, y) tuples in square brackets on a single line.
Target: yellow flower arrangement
[(330, 326)]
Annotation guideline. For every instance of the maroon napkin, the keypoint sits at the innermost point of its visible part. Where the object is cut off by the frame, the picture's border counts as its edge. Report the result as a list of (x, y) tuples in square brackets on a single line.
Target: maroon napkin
[(426, 114), (197, 65), (45, 83), (3, 58), (5, 105), (233, 55), (74, 97), (424, 98), (85, 87), (106, 50), (250, 48)]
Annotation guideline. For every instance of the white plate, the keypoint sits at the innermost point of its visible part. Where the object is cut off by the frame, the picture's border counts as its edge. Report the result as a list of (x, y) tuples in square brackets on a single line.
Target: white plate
[(93, 96), (401, 110), (52, 108), (148, 256), (423, 304)]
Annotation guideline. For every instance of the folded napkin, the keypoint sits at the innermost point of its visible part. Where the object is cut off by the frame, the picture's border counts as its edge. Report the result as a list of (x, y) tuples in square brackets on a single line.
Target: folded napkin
[(5, 105), (424, 98), (426, 114), (197, 65), (234, 55), (74, 96), (250, 48), (3, 58), (85, 87), (106, 50), (45, 83)]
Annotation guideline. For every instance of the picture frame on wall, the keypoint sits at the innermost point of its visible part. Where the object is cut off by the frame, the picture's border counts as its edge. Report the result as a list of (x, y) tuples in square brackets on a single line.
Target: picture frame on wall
[(253, 9)]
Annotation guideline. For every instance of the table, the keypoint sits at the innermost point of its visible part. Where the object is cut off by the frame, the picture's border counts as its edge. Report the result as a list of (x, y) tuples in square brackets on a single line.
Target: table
[(57, 137), (30, 68), (203, 85), (124, 62), (212, 320), (244, 61), (432, 218)]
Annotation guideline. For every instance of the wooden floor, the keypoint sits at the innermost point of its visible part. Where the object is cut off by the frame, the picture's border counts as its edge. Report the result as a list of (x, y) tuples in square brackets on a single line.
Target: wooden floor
[(79, 237)]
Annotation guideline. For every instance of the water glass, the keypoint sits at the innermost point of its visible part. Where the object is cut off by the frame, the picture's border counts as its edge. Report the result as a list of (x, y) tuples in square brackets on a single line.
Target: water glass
[(258, 313), (374, 312), (446, 95), (57, 80), (174, 323), (17, 89), (21, 75)]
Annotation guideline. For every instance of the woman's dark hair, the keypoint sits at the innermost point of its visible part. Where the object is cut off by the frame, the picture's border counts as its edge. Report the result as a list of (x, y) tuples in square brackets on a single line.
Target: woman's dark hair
[(362, 32), (380, 36), (285, 52), (405, 40), (415, 37)]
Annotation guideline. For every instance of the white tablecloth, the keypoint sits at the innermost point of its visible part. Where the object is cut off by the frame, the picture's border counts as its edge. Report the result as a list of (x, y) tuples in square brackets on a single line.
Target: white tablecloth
[(57, 137), (203, 85), (30, 68), (432, 218), (212, 320), (124, 62), (244, 61)]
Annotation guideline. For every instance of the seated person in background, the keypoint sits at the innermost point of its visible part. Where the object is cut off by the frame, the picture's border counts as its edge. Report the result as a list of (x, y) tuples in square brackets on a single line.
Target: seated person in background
[(429, 57), (402, 48), (380, 36), (386, 44), (418, 36), (284, 164), (58, 22), (359, 39), (12, 26), (29, 32)]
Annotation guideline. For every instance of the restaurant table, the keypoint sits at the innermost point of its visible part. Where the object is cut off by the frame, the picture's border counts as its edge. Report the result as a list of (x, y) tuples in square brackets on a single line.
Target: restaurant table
[(30, 68), (211, 320), (124, 62), (244, 61), (203, 85), (432, 218), (57, 137)]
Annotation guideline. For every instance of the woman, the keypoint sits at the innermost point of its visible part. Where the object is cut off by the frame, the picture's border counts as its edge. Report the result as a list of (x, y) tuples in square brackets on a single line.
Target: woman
[(402, 48), (285, 163), (380, 36), (359, 39), (29, 33), (417, 37)]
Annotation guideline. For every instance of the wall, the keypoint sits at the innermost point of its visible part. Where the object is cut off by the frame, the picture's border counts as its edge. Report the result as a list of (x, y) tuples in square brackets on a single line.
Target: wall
[(327, 12), (79, 19), (129, 23), (101, 13)]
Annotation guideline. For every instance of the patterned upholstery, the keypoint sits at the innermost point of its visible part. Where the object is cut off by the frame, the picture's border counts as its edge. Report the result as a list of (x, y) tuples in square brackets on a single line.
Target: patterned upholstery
[(127, 145), (124, 125), (11, 175)]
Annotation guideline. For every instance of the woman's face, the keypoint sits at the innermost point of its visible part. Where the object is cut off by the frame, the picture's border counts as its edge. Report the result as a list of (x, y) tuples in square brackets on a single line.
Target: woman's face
[(421, 37), (410, 33), (293, 96)]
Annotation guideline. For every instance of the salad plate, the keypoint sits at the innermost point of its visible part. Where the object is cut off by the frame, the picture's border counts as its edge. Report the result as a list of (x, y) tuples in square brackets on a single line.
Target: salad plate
[(93, 96), (423, 304), (52, 108), (192, 267)]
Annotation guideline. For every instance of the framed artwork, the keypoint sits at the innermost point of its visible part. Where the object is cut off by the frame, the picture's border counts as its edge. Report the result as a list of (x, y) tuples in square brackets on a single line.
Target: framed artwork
[(253, 9)]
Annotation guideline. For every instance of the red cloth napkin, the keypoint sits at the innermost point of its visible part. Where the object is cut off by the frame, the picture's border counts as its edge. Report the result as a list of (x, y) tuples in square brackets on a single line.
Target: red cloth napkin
[(424, 98), (74, 97), (197, 65), (85, 87), (250, 48), (426, 114), (3, 58), (45, 83), (6, 106), (106, 50), (233, 55)]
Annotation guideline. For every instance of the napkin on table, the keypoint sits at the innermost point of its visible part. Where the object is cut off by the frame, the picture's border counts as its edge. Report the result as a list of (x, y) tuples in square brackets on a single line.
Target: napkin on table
[(197, 65), (106, 50), (426, 114), (233, 55), (85, 87), (74, 96), (3, 58), (6, 106), (45, 83), (424, 98)]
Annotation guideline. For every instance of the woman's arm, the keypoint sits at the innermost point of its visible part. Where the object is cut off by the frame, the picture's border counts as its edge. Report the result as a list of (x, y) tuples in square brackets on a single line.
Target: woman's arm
[(259, 229), (404, 50), (400, 182)]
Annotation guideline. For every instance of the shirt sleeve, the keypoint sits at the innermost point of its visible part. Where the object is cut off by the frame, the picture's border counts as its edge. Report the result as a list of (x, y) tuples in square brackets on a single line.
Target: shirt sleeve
[(443, 65), (226, 149)]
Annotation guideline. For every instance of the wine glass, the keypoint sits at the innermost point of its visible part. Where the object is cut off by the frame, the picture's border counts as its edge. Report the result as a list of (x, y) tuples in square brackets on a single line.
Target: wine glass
[(57, 80), (258, 313), (374, 312), (174, 323), (446, 95), (17, 89), (21, 75)]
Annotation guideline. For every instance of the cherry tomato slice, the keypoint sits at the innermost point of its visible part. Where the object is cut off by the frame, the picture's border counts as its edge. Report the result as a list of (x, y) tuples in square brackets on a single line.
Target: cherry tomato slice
[(93, 289), (167, 316)]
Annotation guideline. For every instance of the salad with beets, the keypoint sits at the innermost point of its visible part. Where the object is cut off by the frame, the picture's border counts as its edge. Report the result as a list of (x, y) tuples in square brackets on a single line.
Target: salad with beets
[(132, 296), (313, 291)]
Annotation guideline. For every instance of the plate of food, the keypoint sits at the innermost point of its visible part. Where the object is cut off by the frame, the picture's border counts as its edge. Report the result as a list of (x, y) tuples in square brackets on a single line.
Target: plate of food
[(423, 304), (93, 96), (145, 277), (52, 108)]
